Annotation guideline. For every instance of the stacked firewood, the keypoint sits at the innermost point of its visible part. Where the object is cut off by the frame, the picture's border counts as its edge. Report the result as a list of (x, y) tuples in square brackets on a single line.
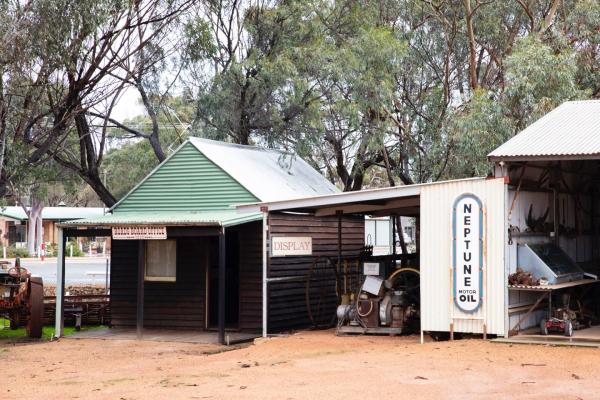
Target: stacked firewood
[(77, 290)]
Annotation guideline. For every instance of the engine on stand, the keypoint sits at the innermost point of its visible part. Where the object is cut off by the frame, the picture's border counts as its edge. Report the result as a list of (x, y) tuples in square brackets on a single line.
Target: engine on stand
[(22, 294), (382, 306)]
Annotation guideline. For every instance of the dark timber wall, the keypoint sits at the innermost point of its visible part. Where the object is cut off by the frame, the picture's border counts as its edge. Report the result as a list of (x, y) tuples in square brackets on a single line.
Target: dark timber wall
[(288, 300), (181, 304), (250, 256), (177, 304), (123, 281)]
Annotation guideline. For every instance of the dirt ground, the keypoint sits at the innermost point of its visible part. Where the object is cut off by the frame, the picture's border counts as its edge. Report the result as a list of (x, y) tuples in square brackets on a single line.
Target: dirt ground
[(307, 365)]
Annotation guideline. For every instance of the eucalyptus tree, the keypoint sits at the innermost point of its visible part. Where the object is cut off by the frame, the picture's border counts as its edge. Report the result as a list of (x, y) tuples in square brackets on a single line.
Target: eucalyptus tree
[(63, 59)]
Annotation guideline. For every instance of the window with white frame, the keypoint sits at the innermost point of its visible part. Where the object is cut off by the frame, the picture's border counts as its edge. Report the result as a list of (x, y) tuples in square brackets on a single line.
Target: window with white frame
[(161, 260)]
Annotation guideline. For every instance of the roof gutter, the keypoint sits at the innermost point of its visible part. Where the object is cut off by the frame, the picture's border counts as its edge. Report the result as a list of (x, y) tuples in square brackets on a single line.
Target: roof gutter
[(558, 157)]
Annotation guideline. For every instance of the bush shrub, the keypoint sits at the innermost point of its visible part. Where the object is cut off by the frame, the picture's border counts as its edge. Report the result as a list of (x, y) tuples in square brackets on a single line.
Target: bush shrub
[(52, 249), (12, 252), (76, 251)]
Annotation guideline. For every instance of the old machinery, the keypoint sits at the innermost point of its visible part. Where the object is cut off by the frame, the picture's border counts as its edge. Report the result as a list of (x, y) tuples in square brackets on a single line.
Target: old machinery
[(565, 319), (389, 306), (22, 294)]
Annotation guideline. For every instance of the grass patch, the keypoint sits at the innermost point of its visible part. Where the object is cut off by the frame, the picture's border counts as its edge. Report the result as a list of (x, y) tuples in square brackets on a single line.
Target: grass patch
[(8, 335)]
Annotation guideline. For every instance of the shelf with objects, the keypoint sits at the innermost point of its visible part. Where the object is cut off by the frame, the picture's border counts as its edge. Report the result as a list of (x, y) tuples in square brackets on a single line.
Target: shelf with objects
[(552, 251)]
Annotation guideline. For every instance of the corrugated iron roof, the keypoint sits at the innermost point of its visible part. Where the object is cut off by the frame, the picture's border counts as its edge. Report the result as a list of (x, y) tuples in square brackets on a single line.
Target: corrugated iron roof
[(570, 131), (270, 175), (53, 213), (171, 218), (346, 198), (186, 181)]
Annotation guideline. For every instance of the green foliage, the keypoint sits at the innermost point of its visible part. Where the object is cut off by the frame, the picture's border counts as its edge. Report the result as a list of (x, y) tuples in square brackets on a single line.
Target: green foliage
[(538, 78), (199, 41), (72, 246), (13, 252), (8, 335), (131, 160), (477, 129), (369, 92)]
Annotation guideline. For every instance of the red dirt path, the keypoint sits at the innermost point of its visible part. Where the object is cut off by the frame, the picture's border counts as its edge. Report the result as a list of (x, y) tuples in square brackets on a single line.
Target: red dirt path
[(308, 365)]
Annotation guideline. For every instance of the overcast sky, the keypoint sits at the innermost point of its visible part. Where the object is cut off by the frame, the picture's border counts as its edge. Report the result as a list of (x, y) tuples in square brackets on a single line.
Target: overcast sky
[(128, 106)]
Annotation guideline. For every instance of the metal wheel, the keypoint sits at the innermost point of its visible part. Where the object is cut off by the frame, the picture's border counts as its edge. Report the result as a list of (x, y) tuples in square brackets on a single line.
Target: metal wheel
[(568, 328), (409, 281), (36, 307), (318, 293)]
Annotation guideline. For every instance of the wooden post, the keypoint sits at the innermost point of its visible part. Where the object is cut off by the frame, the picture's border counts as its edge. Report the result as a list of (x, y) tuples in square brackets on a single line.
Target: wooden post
[(340, 215), (140, 288), (60, 285), (222, 276), (393, 219), (265, 292)]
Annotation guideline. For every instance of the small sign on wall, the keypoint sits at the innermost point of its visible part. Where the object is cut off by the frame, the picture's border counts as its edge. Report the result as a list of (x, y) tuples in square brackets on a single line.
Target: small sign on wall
[(282, 246), (139, 233), (467, 252), (371, 268)]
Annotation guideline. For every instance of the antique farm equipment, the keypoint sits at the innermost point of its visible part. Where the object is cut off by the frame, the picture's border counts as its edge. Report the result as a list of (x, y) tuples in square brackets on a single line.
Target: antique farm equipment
[(566, 319), (383, 306), (22, 295)]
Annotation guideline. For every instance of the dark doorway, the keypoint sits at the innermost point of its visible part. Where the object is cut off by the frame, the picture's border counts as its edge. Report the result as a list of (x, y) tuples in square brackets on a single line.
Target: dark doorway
[(232, 282)]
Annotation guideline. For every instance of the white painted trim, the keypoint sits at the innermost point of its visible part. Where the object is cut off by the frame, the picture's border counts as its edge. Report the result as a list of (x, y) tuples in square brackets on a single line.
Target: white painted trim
[(265, 293), (60, 285)]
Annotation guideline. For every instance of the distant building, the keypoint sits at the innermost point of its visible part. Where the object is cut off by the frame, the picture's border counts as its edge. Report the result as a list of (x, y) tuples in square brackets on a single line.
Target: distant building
[(378, 233), (14, 222)]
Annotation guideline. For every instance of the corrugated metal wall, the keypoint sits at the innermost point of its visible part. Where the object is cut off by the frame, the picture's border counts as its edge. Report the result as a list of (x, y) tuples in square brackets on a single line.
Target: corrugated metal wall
[(436, 257)]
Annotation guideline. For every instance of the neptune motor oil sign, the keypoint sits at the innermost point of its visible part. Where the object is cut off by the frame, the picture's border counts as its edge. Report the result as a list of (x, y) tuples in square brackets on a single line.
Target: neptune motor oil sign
[(467, 254)]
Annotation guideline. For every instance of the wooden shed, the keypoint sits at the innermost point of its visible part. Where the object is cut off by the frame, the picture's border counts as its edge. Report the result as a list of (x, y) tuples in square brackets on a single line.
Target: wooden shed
[(184, 257)]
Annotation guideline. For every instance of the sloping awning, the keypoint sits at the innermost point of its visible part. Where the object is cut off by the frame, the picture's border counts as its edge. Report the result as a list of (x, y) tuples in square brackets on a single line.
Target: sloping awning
[(53, 213), (401, 200), (224, 218)]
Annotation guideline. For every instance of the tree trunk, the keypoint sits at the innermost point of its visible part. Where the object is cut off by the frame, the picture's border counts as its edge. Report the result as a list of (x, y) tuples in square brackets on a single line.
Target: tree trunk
[(30, 236), (472, 45), (34, 217), (101, 190), (39, 233), (395, 219)]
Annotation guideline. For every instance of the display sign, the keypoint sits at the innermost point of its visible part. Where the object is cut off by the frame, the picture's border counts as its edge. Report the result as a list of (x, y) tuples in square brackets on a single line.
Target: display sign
[(371, 268), (139, 233), (282, 246), (467, 255)]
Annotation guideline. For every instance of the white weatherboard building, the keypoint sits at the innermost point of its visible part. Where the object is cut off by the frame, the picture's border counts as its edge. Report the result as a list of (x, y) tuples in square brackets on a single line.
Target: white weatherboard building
[(542, 202)]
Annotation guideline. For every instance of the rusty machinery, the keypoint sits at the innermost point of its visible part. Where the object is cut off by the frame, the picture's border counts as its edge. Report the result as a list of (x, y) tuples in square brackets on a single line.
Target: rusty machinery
[(382, 306), (22, 294)]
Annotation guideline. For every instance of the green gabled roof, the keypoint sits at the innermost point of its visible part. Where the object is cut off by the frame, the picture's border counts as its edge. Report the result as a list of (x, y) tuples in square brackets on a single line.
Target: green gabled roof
[(223, 218), (186, 181)]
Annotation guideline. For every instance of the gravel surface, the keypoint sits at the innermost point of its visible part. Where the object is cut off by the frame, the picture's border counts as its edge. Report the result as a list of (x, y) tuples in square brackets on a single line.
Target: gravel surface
[(308, 365)]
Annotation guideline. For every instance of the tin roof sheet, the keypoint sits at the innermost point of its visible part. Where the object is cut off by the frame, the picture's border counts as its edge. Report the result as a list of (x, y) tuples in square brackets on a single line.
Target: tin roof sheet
[(570, 131), (346, 198), (171, 218), (270, 175), (54, 213)]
